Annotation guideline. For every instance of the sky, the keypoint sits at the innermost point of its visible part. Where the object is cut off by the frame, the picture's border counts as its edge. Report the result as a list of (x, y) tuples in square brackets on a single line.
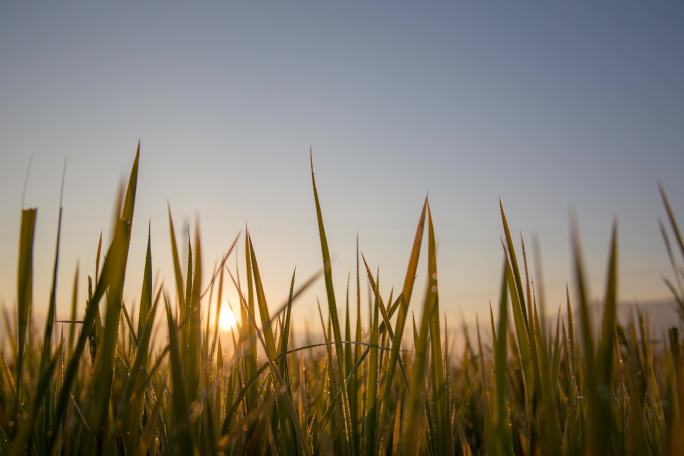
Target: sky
[(554, 107)]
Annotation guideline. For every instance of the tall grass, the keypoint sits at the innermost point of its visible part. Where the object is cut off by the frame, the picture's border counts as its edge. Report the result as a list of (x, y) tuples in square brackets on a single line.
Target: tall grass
[(117, 385)]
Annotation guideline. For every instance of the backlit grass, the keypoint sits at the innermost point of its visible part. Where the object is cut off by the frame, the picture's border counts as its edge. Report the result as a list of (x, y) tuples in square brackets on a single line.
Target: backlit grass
[(116, 384)]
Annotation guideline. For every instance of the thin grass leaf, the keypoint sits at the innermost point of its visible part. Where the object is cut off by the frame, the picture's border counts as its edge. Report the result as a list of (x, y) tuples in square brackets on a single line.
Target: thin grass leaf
[(24, 289)]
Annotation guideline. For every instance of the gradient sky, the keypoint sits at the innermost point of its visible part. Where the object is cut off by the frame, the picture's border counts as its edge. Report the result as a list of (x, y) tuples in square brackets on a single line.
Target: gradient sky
[(552, 107)]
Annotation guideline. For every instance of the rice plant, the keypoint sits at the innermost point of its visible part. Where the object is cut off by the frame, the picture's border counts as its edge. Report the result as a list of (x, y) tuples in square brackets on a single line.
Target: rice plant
[(159, 381)]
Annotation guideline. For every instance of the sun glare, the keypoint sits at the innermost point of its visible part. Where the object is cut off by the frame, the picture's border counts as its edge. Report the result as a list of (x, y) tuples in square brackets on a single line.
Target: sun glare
[(227, 319)]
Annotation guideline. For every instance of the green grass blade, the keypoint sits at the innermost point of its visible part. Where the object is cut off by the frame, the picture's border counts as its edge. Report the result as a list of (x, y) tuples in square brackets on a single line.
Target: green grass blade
[(332, 306), (74, 305), (439, 394), (410, 439), (180, 407), (180, 293), (606, 344), (514, 264), (99, 403), (673, 221), (24, 289), (22, 439), (47, 335), (500, 442), (263, 306), (372, 382)]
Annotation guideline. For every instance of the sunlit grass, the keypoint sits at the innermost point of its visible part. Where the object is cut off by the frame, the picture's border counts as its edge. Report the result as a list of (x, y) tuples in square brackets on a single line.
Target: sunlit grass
[(186, 373)]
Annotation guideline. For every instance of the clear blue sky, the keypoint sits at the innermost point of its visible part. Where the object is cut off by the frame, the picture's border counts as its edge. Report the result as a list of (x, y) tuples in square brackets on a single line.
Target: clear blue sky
[(552, 107)]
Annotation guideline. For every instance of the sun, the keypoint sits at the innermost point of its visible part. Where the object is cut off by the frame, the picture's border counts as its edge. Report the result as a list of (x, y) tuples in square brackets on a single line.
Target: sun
[(227, 319)]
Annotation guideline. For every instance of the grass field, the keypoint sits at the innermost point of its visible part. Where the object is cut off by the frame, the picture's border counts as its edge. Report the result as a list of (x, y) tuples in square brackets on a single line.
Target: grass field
[(528, 383)]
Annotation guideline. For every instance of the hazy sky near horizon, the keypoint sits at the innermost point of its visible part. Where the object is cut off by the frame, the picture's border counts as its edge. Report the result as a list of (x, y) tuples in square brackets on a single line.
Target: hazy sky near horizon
[(552, 107)]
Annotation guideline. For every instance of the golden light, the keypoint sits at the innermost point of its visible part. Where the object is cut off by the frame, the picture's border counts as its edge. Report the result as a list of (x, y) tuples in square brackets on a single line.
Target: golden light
[(227, 319)]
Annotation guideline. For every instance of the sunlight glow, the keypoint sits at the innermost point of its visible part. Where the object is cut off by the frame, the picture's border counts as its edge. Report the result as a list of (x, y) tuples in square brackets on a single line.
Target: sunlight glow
[(227, 319)]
